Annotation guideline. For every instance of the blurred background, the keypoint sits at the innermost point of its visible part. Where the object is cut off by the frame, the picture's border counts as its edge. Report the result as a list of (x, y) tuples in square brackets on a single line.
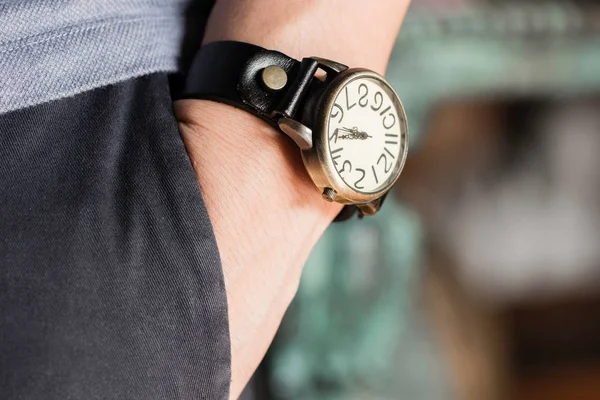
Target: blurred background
[(480, 279)]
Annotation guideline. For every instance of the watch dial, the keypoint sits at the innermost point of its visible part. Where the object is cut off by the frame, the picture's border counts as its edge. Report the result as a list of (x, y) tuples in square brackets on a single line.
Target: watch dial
[(367, 135)]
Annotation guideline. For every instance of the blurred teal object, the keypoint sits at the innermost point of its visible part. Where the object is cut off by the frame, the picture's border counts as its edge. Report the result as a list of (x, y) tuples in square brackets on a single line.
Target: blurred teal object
[(353, 331), (344, 329)]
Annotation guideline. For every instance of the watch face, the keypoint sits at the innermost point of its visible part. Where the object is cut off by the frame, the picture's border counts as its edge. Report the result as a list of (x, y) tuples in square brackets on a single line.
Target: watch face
[(367, 134)]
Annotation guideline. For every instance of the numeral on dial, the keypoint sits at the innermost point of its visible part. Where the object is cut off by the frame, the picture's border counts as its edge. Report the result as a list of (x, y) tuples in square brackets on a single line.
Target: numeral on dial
[(334, 135), (337, 111), (363, 101), (362, 171), (377, 106), (390, 126), (385, 164), (346, 164), (348, 106), (374, 173)]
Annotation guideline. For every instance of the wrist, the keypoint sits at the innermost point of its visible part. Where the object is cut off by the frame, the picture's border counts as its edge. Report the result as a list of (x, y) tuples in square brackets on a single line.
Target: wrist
[(248, 154)]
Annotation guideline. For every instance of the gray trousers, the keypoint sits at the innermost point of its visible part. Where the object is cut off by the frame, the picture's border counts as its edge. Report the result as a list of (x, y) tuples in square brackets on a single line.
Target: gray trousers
[(110, 280)]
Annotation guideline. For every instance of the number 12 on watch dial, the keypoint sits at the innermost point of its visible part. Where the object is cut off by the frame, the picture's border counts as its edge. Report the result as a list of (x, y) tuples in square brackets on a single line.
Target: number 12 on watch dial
[(366, 135)]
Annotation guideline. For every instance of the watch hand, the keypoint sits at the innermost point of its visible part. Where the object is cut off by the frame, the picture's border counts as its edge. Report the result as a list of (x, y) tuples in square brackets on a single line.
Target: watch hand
[(354, 133)]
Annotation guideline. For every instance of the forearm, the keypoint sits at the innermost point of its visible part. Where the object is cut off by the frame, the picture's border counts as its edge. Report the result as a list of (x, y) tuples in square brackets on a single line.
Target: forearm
[(266, 213)]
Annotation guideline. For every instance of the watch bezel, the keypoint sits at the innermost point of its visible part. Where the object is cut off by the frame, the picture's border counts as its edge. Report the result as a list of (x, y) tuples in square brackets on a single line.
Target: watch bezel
[(317, 160)]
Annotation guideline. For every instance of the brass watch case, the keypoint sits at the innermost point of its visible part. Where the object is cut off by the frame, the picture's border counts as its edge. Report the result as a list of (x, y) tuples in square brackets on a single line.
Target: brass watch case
[(317, 160)]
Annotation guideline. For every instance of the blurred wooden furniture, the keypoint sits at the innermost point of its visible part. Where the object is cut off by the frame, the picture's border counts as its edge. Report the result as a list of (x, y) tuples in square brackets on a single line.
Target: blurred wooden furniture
[(503, 339)]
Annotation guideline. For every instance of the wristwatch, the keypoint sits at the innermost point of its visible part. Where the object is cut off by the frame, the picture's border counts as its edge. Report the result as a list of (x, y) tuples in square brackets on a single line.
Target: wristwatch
[(348, 123)]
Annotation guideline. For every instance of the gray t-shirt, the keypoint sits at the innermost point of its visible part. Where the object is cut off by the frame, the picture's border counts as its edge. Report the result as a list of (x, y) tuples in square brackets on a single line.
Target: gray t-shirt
[(51, 49)]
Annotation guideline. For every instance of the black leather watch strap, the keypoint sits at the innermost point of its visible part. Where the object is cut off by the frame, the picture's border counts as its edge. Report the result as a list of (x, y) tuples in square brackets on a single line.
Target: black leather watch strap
[(229, 72)]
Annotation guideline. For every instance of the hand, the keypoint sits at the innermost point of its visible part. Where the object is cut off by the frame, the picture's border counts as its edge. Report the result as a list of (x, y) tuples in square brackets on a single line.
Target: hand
[(266, 213)]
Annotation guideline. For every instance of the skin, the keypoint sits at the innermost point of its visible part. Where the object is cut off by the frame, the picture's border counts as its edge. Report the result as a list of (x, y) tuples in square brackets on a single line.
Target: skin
[(266, 212)]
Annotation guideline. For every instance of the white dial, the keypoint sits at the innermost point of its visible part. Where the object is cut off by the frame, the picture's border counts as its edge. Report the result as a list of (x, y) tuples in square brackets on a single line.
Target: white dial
[(367, 135)]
